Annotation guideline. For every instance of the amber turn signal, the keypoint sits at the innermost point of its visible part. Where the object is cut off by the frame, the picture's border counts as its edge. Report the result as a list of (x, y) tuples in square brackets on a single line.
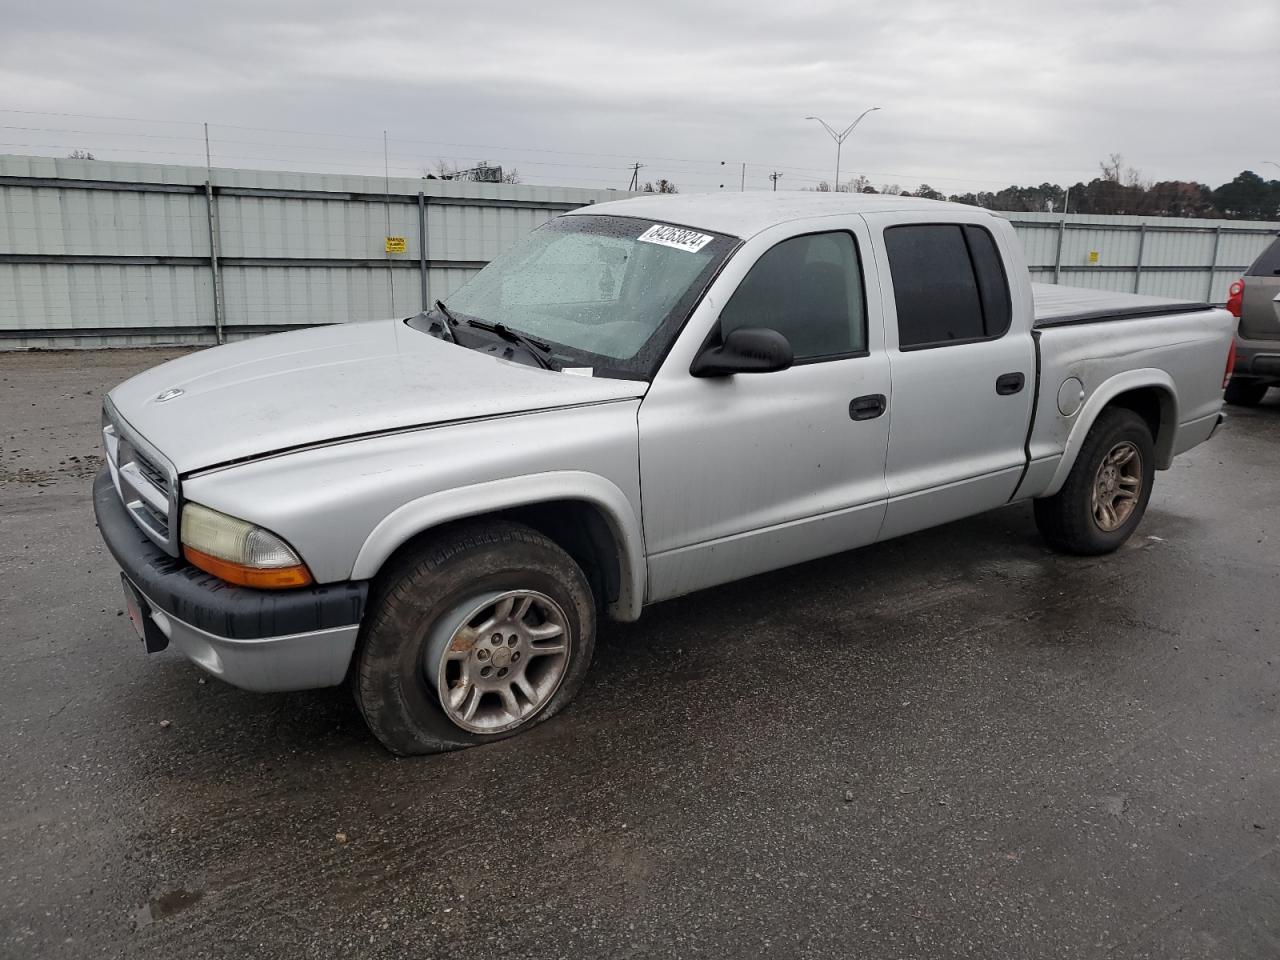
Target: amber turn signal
[(239, 552), (273, 578)]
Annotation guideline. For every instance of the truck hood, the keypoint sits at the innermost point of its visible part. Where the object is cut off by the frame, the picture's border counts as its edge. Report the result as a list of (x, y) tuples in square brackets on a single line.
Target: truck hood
[(274, 393)]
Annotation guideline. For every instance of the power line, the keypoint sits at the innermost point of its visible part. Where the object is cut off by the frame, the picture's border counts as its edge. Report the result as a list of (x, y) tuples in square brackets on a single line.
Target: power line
[(92, 116), (796, 172)]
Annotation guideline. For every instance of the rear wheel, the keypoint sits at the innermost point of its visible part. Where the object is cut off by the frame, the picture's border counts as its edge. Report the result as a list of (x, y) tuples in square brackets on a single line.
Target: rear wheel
[(486, 631), (1245, 393), (1106, 492)]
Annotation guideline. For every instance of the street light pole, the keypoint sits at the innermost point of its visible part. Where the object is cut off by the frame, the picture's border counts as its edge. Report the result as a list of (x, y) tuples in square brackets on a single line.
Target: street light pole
[(839, 138)]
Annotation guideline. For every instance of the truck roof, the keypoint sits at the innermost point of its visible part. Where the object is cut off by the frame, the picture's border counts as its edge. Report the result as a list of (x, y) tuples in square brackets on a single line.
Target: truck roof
[(743, 214)]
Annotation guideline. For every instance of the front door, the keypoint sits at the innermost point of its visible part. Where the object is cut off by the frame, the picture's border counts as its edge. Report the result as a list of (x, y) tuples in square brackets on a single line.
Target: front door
[(752, 472)]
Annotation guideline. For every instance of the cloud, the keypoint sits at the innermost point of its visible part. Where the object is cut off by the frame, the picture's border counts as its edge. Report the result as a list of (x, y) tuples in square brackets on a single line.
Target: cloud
[(974, 95)]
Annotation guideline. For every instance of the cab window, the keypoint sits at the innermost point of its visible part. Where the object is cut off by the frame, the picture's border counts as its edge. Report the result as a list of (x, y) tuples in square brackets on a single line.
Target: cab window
[(810, 290), (949, 285)]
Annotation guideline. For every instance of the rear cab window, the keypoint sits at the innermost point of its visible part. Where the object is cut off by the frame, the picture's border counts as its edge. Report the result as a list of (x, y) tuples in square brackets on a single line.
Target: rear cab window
[(949, 284)]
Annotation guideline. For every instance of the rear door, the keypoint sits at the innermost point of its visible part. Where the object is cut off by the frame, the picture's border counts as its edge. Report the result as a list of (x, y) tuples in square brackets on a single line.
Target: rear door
[(1260, 310), (963, 371)]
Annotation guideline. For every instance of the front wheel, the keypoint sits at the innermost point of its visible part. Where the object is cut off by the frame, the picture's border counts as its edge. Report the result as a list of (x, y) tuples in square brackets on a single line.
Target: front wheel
[(1106, 492), (486, 631)]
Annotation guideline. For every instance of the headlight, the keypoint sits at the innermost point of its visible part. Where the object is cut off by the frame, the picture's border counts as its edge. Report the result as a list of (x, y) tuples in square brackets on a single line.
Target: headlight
[(239, 552)]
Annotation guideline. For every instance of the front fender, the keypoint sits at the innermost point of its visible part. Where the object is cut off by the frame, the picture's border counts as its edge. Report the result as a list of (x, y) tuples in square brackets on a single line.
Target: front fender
[(1144, 378), (435, 509)]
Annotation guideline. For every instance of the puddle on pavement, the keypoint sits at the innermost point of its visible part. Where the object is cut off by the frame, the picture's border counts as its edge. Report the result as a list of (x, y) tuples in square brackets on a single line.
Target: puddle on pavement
[(165, 905)]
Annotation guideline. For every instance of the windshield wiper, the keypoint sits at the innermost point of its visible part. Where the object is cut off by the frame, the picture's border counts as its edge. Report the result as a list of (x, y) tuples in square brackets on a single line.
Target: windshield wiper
[(450, 321), (541, 352), (453, 321), (435, 328)]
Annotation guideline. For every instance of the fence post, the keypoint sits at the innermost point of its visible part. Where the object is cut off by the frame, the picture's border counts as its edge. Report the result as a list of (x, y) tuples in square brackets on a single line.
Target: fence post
[(1057, 260), (211, 206), (1213, 264), (1137, 270), (422, 248)]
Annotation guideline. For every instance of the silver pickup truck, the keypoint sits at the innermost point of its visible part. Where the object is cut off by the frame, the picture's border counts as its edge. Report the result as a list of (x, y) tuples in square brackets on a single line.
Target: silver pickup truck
[(641, 399)]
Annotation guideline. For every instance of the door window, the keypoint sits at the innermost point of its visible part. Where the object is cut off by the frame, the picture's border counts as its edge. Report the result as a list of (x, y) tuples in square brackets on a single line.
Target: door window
[(809, 289), (949, 284)]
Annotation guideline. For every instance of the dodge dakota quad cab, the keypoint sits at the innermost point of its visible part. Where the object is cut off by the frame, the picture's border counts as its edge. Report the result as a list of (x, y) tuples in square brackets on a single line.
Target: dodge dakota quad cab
[(641, 399)]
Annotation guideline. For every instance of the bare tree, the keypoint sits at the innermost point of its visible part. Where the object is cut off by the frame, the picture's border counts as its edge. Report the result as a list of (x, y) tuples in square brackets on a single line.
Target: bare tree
[(440, 170), (662, 186), (1114, 171), (79, 154), (858, 184)]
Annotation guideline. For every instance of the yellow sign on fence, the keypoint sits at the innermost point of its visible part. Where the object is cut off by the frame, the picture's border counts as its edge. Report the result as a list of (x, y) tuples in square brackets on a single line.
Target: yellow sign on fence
[(396, 245), (1093, 254)]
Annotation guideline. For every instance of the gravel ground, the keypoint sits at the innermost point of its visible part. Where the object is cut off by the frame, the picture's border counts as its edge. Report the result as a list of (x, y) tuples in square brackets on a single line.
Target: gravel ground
[(957, 744)]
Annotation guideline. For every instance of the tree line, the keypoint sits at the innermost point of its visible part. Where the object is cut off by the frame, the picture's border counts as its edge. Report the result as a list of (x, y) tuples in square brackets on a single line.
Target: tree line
[(1118, 189)]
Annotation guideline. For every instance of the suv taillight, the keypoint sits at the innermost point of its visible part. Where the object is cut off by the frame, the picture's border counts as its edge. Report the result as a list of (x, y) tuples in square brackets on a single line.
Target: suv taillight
[(1235, 295), (1231, 363)]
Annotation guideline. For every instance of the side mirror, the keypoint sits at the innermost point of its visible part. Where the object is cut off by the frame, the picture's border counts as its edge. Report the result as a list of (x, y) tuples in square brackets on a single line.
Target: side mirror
[(745, 350)]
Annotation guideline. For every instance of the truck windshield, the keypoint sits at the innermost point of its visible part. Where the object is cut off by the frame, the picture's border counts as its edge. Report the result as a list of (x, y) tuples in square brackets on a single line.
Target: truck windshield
[(602, 291)]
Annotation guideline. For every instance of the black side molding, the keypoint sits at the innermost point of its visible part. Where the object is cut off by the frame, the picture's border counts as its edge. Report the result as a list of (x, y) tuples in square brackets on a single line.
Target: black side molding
[(1137, 313)]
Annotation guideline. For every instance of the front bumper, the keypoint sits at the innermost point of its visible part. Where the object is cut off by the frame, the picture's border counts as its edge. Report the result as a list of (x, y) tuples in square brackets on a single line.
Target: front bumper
[(255, 639)]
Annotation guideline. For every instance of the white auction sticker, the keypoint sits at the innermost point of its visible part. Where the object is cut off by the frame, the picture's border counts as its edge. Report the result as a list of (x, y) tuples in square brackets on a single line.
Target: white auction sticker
[(688, 240)]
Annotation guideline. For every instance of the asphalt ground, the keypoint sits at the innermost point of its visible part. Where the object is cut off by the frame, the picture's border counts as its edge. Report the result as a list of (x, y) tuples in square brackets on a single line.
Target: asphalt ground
[(956, 744)]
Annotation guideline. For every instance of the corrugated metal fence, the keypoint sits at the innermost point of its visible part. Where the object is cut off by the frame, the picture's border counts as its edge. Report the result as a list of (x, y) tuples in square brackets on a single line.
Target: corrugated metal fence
[(1158, 256), (95, 252)]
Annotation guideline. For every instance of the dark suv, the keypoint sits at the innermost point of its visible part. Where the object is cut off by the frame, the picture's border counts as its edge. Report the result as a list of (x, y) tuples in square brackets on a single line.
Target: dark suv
[(1255, 299)]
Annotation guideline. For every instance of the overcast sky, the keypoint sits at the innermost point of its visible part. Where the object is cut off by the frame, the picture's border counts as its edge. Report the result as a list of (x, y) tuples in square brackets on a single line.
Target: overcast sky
[(974, 95)]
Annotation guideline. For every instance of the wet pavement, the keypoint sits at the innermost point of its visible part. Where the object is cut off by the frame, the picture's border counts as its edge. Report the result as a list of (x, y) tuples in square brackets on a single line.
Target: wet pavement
[(957, 744)]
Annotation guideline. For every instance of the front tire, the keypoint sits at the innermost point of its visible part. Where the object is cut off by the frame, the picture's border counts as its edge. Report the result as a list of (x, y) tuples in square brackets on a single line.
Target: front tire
[(484, 632), (1245, 393), (1106, 492)]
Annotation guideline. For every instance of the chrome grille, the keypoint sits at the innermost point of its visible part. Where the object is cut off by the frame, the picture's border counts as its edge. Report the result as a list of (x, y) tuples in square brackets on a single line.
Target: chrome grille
[(146, 482), (155, 476)]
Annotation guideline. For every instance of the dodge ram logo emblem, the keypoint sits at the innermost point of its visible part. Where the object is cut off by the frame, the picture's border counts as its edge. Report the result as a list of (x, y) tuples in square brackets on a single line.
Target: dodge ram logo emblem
[(169, 394)]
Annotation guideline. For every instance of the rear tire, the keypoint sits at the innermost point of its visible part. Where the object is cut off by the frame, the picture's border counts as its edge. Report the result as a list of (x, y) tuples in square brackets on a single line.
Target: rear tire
[(1245, 393), (491, 597), (1106, 492)]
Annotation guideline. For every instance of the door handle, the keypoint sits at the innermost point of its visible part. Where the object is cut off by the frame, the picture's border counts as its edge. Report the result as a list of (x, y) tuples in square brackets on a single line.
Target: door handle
[(868, 407), (1009, 383)]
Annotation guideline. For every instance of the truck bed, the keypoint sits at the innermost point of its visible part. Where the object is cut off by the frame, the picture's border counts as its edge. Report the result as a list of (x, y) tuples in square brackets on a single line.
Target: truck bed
[(1057, 305)]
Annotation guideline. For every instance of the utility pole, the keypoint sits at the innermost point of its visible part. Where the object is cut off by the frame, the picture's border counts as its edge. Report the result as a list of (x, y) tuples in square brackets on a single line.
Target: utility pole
[(634, 185), (742, 181), (213, 239), (386, 205), (775, 177)]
